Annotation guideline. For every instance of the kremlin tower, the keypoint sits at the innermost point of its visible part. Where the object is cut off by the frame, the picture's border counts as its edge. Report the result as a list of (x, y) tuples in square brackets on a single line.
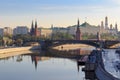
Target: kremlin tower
[(34, 30), (105, 28), (78, 32)]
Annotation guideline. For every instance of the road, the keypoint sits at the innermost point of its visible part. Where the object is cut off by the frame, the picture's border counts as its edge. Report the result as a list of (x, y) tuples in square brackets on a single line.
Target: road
[(112, 62)]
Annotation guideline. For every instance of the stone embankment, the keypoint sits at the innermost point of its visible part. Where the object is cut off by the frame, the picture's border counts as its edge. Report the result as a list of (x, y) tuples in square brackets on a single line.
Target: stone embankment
[(100, 72), (7, 52)]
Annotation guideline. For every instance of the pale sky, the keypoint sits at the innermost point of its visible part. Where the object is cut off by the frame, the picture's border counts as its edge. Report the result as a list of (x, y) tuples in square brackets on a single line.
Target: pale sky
[(58, 12)]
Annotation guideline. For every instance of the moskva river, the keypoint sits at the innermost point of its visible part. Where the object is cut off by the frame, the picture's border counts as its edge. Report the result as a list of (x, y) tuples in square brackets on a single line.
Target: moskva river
[(42, 66)]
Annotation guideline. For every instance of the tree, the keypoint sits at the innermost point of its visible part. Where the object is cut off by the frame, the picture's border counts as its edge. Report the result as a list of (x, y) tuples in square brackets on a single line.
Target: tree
[(19, 42)]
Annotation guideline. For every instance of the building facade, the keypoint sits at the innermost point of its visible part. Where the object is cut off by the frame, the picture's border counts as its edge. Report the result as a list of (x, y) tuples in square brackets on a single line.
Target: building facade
[(34, 30), (8, 31), (20, 30), (85, 28), (109, 29), (46, 32), (91, 29)]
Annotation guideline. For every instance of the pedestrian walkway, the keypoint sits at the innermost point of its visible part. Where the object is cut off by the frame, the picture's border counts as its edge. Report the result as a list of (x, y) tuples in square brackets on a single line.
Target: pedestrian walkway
[(111, 60)]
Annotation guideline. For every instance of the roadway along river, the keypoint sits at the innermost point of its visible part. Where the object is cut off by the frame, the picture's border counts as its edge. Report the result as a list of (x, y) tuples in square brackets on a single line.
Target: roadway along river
[(111, 61)]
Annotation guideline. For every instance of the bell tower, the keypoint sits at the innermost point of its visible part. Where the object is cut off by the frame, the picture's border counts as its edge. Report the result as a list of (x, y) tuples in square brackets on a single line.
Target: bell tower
[(106, 23)]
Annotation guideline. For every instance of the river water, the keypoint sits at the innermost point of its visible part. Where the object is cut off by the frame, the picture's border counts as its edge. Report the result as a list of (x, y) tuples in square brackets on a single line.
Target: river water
[(42, 66)]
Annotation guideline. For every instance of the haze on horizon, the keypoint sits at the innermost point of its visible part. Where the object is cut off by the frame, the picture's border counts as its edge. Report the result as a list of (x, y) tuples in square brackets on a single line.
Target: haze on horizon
[(58, 12)]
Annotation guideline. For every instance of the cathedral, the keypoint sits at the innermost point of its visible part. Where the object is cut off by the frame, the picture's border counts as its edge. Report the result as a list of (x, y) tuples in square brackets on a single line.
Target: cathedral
[(34, 30), (108, 29)]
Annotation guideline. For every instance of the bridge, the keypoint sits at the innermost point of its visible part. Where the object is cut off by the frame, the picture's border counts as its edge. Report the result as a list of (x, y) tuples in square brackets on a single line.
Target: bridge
[(95, 43)]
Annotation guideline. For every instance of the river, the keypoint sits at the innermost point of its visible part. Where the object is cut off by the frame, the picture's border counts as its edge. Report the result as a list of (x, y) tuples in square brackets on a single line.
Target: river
[(42, 66)]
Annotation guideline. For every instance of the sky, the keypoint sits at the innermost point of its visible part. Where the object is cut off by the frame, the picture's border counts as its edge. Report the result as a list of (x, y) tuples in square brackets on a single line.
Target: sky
[(58, 12)]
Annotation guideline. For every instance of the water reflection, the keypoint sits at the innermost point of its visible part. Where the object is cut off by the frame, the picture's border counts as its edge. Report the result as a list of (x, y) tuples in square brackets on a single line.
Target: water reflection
[(52, 65)]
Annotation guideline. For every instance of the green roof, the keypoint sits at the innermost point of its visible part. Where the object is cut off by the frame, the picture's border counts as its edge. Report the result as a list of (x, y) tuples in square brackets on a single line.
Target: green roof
[(85, 24)]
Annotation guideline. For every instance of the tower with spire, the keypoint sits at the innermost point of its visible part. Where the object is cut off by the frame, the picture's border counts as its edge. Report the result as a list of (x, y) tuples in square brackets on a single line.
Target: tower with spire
[(34, 29), (106, 23), (102, 26), (116, 27), (78, 32)]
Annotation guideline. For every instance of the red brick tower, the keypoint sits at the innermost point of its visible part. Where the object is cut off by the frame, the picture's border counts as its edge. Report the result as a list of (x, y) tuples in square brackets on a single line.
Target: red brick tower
[(32, 29), (36, 32), (78, 32)]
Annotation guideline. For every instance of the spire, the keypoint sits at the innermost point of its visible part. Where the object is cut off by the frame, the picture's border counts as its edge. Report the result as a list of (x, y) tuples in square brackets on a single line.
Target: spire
[(106, 22), (102, 26), (78, 25), (36, 29), (32, 29), (35, 24), (116, 27), (32, 25), (78, 32)]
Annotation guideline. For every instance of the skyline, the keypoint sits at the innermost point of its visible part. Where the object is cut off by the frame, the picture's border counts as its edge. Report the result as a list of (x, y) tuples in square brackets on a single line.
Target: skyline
[(59, 13)]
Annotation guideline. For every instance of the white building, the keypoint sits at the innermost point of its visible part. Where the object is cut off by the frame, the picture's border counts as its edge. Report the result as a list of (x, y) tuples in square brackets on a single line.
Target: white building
[(8, 30), (113, 30), (59, 29), (46, 32), (20, 30)]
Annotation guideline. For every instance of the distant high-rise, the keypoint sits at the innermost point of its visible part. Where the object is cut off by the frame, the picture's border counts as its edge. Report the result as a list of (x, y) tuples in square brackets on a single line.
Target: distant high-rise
[(78, 32), (106, 23)]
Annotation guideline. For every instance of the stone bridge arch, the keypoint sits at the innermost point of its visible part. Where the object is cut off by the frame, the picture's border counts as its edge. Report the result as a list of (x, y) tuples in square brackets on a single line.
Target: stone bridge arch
[(52, 43), (111, 43)]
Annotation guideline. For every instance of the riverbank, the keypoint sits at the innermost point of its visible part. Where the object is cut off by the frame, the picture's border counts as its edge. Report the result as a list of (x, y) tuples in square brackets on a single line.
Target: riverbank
[(7, 52), (101, 73)]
